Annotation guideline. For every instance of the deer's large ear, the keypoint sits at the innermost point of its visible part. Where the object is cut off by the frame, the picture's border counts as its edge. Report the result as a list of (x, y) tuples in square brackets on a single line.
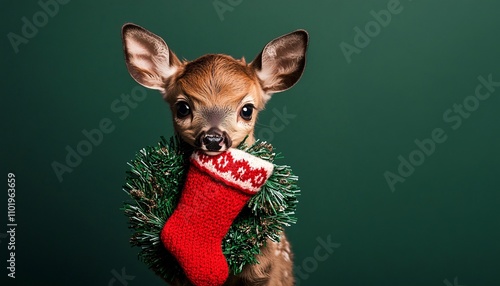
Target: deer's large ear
[(149, 60), (281, 63)]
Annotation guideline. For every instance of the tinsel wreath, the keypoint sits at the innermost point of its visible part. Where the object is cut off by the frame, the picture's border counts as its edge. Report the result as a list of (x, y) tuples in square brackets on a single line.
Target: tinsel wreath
[(155, 181)]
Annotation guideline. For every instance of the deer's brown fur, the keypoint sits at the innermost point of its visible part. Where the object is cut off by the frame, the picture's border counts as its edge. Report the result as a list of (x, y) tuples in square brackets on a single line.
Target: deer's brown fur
[(215, 89)]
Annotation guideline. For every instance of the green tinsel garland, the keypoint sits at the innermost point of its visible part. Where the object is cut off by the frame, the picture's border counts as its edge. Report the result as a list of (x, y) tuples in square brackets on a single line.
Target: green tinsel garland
[(155, 182)]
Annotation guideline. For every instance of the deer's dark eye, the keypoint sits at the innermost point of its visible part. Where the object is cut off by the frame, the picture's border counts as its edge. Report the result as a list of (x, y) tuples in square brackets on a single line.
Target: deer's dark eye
[(183, 109), (246, 112)]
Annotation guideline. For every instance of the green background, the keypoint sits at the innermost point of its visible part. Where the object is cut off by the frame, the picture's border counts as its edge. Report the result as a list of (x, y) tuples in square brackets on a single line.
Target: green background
[(352, 121)]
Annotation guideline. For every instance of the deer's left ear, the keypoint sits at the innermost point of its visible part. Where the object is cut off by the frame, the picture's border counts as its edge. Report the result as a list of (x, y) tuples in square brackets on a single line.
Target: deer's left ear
[(281, 63)]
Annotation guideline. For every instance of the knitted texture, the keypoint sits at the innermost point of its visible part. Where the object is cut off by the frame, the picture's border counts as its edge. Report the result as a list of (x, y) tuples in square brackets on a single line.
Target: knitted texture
[(216, 189)]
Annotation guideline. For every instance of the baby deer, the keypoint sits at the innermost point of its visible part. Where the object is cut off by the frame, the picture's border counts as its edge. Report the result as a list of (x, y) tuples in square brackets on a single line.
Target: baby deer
[(214, 101)]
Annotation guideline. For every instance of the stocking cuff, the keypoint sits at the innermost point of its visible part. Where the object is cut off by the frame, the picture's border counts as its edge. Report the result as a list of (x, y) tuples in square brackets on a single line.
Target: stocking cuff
[(235, 168)]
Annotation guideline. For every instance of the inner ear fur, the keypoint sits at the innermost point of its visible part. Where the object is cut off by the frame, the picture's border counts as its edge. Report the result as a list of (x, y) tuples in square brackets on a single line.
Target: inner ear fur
[(149, 60), (282, 61)]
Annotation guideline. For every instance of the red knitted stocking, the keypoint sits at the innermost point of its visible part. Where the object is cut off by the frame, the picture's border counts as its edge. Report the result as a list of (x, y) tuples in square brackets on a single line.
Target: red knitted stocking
[(216, 189)]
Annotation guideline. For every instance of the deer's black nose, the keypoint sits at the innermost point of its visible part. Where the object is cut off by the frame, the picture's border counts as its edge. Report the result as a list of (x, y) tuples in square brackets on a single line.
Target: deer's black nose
[(212, 141)]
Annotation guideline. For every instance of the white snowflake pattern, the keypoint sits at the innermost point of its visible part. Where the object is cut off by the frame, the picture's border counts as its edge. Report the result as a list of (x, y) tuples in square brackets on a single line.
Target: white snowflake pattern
[(222, 161), (259, 179), (241, 171)]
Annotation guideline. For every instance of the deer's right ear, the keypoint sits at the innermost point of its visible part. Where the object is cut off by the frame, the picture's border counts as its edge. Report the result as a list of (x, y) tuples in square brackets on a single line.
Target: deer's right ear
[(149, 60)]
